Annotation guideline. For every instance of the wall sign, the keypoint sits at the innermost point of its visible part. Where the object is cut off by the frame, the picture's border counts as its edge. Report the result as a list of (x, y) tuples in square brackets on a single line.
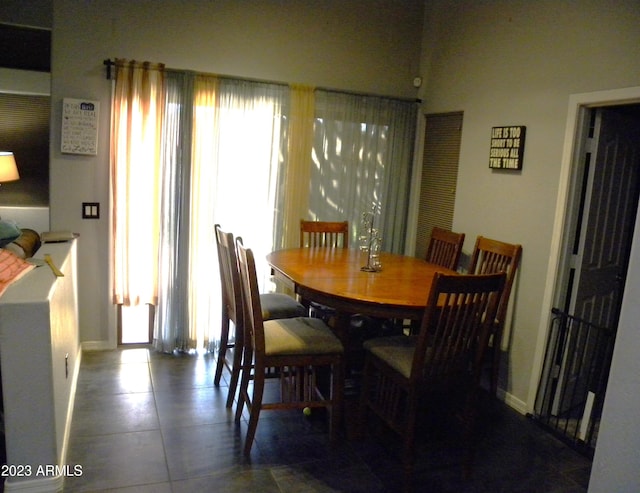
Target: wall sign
[(80, 126), (507, 147)]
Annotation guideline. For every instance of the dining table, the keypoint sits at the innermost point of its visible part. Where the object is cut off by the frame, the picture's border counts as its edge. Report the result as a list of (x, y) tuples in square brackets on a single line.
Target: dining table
[(335, 277)]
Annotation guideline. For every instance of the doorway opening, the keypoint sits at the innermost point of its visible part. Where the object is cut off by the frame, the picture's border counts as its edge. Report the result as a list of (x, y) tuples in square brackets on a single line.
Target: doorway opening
[(602, 206), (135, 324)]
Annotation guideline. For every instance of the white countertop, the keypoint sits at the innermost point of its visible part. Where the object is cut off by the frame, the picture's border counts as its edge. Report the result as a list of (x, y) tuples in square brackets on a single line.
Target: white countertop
[(35, 286)]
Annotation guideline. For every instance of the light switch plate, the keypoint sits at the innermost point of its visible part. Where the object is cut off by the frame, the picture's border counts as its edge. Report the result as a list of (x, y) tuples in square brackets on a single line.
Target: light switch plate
[(91, 210)]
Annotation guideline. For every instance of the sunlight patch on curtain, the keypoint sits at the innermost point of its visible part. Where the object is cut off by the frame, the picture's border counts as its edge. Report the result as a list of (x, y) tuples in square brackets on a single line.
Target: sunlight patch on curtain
[(249, 140), (362, 155), (203, 277), (135, 164)]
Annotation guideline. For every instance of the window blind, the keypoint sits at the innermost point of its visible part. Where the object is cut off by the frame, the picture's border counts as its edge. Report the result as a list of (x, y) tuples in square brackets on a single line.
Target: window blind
[(439, 176)]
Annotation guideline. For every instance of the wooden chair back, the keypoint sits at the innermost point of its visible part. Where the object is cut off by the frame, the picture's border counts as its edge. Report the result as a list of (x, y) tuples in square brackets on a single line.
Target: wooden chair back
[(445, 358), (496, 256), (445, 248), (229, 277), (491, 256), (232, 311), (456, 328), (252, 308), (324, 234)]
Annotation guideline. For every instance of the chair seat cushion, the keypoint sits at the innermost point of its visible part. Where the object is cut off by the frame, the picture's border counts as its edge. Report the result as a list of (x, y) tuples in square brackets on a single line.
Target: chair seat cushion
[(299, 336), (278, 305), (396, 351)]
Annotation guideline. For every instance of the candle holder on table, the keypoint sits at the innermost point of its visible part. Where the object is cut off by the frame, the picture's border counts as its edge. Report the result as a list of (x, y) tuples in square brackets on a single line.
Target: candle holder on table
[(370, 242)]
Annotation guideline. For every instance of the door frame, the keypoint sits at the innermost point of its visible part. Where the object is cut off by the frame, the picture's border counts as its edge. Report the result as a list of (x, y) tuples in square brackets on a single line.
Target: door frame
[(574, 135)]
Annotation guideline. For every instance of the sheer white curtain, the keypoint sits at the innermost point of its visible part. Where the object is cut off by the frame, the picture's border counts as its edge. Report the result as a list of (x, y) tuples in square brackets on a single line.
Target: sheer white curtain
[(172, 324), (223, 141), (249, 143), (362, 154), (192, 150)]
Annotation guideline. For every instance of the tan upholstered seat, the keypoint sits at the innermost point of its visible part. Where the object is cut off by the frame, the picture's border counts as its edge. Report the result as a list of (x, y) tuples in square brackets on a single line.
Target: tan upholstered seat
[(300, 335), (278, 305), (398, 351)]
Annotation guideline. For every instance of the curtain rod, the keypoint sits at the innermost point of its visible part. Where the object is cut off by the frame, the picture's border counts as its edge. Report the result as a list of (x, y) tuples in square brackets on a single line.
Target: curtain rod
[(112, 63), (370, 95)]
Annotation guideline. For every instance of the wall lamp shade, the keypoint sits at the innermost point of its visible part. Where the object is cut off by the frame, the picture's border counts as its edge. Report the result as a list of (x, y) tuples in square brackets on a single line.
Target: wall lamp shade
[(8, 168)]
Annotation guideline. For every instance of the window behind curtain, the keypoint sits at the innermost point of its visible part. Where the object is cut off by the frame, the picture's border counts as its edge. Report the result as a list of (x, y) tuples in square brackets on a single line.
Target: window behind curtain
[(362, 159)]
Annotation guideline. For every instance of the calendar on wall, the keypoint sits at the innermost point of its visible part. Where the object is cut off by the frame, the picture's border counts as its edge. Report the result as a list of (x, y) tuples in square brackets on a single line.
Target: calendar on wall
[(80, 126)]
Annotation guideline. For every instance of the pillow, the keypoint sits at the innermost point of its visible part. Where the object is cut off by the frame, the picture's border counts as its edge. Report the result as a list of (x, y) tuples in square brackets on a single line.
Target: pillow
[(8, 232), (29, 242)]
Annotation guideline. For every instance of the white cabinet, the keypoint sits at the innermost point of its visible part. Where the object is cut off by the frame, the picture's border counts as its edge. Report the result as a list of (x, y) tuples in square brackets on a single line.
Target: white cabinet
[(39, 360)]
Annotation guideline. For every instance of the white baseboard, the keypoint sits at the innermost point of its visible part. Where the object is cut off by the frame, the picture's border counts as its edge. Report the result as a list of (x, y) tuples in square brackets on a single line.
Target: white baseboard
[(512, 402)]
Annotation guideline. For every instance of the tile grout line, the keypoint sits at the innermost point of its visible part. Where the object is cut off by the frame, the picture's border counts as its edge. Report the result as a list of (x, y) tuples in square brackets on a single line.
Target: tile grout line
[(162, 437)]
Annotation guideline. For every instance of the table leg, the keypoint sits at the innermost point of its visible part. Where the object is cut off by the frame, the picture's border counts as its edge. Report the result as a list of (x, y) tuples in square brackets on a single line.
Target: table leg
[(351, 336), (340, 325)]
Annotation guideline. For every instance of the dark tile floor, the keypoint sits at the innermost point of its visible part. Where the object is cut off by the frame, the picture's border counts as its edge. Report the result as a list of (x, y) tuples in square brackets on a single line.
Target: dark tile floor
[(153, 422)]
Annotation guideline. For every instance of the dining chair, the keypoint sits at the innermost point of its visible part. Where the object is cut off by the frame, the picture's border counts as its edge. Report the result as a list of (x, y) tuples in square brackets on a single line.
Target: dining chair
[(445, 248), (324, 234), (400, 371), (296, 348), (274, 305), (329, 234), (488, 257)]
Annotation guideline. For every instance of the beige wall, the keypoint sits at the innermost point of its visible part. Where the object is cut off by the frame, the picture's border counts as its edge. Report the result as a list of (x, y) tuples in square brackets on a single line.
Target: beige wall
[(32, 13), (359, 45), (516, 62)]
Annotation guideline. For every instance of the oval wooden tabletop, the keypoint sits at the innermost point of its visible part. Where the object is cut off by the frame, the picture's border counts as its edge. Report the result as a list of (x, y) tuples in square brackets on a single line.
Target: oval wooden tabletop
[(333, 276)]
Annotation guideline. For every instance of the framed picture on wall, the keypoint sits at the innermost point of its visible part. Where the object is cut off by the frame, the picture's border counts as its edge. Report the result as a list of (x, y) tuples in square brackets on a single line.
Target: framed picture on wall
[(507, 147), (80, 126)]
